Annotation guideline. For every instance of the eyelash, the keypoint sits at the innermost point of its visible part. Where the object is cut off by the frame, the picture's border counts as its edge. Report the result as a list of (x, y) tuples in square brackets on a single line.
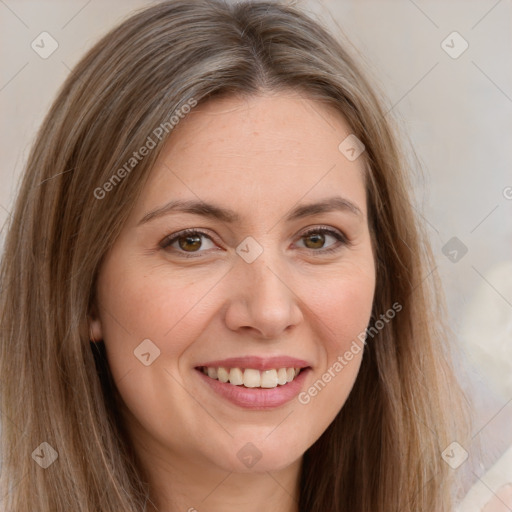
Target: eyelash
[(170, 239)]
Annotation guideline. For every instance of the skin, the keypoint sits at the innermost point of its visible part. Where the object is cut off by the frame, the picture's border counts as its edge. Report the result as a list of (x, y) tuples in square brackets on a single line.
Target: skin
[(259, 157)]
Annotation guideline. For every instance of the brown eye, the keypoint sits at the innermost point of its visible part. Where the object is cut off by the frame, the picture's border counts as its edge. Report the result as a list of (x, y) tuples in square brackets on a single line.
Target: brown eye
[(317, 240), (189, 241)]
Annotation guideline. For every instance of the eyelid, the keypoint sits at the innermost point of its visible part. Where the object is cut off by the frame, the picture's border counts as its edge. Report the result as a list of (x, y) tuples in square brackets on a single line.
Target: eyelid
[(324, 228)]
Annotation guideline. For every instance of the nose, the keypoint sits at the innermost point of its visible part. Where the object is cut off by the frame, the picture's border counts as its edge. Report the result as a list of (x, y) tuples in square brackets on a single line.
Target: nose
[(262, 300)]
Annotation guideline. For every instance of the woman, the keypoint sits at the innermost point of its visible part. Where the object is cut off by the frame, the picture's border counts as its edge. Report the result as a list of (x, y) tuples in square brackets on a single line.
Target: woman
[(215, 292)]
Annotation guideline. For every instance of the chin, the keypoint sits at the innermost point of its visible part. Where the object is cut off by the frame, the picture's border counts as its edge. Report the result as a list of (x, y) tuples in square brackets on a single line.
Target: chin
[(259, 456)]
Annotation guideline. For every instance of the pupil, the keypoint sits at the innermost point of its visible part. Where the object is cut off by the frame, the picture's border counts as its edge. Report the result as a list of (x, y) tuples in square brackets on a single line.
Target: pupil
[(194, 240), (318, 240)]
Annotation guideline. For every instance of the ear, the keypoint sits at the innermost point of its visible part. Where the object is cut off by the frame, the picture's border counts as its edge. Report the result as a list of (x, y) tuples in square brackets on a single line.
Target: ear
[(95, 330)]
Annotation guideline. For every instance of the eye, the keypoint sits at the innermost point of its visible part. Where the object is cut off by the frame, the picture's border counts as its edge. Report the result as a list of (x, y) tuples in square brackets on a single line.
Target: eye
[(190, 243), (317, 238), (187, 241)]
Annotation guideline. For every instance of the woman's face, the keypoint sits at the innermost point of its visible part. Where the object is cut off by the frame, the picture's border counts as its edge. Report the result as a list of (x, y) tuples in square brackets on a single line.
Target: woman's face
[(276, 273)]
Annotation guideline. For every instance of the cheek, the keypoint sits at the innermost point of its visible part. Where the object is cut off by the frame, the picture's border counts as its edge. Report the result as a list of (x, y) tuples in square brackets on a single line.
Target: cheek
[(149, 304), (343, 302), (342, 306), (146, 305), (346, 308)]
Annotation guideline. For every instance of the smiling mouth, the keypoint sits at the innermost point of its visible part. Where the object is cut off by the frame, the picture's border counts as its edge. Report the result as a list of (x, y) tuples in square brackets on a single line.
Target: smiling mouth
[(251, 377)]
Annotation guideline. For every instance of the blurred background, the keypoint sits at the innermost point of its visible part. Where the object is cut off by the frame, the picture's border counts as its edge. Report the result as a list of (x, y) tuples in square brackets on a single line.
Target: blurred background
[(446, 70)]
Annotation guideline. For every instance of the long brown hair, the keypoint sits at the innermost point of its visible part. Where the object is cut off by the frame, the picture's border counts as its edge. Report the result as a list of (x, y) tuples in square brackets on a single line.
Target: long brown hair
[(382, 452)]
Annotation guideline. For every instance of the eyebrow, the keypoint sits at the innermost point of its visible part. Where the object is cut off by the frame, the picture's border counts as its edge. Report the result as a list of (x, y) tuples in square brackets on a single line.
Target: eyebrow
[(226, 215)]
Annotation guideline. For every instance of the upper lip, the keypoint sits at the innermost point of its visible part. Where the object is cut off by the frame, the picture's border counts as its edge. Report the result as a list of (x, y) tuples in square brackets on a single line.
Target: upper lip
[(258, 363)]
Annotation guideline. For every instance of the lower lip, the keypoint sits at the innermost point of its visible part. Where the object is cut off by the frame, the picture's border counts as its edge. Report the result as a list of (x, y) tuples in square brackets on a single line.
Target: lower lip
[(257, 398)]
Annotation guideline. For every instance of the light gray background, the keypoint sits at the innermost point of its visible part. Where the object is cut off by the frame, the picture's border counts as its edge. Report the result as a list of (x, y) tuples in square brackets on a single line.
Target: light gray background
[(457, 114)]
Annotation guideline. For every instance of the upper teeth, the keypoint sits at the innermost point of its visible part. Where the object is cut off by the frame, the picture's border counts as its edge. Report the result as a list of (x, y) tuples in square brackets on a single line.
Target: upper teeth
[(251, 378)]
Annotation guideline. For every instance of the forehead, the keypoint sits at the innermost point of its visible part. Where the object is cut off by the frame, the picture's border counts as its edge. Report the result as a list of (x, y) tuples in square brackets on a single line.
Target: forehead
[(264, 150)]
